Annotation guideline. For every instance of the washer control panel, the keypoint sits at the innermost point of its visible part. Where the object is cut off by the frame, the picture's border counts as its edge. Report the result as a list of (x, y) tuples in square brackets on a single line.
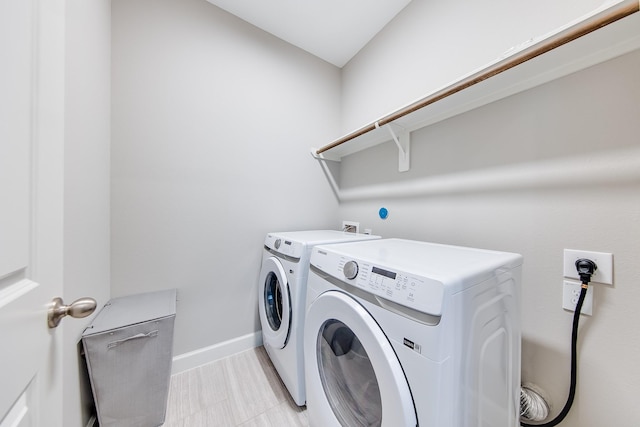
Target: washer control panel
[(284, 246), (420, 293), (350, 269)]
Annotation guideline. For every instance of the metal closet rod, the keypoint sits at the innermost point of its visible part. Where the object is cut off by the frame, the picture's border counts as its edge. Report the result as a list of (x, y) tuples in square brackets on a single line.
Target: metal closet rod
[(601, 20)]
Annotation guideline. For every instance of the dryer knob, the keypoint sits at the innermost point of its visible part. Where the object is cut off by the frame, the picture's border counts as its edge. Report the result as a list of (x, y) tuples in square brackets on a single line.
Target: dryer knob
[(350, 270), (277, 243)]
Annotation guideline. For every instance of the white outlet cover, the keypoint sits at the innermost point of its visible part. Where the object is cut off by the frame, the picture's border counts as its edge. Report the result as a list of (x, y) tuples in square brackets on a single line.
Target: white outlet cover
[(604, 261), (570, 294)]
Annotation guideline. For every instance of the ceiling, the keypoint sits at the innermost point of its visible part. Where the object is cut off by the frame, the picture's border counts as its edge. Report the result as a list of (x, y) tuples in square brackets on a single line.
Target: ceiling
[(334, 30)]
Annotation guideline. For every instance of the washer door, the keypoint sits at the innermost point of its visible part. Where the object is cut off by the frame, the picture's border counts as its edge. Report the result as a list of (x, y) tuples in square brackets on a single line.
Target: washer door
[(275, 303), (354, 377)]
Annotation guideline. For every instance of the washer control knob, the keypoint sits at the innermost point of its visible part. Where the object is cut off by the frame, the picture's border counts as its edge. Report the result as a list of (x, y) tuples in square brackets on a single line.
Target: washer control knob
[(277, 243), (350, 270)]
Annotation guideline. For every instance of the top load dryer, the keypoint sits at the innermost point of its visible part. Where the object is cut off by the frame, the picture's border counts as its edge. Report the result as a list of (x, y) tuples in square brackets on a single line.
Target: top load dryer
[(282, 294), (406, 333)]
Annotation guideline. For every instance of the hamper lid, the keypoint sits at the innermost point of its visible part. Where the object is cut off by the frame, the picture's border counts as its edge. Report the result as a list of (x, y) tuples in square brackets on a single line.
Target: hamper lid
[(133, 309)]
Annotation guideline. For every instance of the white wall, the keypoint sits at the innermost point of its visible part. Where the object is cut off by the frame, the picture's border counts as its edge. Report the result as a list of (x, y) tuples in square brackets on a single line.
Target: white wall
[(432, 43), (212, 124), (86, 184), (212, 121), (591, 116)]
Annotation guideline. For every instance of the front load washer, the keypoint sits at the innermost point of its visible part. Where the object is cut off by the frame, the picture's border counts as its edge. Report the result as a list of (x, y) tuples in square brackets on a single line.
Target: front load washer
[(406, 333), (282, 296)]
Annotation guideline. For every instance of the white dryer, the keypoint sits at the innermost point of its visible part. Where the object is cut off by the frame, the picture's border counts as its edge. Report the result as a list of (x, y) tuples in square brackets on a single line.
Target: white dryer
[(406, 333), (282, 297)]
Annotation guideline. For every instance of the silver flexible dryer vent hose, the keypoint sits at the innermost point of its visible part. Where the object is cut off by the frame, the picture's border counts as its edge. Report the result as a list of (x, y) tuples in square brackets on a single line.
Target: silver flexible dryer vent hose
[(533, 407)]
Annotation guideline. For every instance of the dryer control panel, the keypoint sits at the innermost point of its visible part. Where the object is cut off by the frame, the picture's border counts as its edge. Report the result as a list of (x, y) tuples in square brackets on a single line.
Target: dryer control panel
[(417, 292)]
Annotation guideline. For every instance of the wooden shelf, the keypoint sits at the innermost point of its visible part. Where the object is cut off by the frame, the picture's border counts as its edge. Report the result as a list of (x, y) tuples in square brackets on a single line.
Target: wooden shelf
[(603, 35)]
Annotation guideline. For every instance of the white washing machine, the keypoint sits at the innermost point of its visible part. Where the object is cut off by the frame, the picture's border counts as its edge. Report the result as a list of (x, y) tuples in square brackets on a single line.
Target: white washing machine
[(406, 333), (282, 297)]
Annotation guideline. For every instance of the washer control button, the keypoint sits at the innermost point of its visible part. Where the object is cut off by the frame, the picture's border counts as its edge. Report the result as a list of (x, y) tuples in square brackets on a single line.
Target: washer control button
[(350, 270)]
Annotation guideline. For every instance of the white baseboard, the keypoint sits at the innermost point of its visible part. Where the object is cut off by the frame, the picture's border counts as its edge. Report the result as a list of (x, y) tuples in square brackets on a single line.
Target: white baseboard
[(202, 356)]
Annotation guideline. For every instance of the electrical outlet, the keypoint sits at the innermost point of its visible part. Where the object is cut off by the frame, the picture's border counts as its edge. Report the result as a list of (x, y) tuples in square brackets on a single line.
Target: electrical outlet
[(604, 261), (570, 294), (351, 226)]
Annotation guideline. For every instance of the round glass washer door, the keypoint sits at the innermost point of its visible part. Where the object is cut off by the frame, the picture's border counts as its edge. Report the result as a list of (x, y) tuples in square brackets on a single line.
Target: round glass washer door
[(360, 377), (274, 303)]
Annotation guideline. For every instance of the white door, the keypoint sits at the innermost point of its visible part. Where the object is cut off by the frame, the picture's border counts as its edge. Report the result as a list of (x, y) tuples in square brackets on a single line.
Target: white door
[(353, 375), (274, 303), (31, 200)]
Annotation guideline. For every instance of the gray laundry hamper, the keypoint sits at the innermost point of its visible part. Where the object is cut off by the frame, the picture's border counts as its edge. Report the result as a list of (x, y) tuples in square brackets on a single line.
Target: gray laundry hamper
[(128, 348)]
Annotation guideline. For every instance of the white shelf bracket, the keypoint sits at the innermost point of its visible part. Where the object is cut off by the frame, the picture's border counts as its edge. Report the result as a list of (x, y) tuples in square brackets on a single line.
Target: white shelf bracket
[(324, 156), (403, 141)]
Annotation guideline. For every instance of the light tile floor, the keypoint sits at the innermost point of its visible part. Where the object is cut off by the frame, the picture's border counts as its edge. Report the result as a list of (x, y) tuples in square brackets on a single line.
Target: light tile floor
[(241, 390)]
